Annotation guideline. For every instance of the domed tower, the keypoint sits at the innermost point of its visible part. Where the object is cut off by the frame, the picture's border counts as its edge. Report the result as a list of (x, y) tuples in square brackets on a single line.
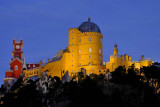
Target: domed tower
[(85, 46), (90, 47)]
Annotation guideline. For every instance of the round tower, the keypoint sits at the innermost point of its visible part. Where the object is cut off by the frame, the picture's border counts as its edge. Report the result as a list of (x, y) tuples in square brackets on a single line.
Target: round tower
[(90, 47)]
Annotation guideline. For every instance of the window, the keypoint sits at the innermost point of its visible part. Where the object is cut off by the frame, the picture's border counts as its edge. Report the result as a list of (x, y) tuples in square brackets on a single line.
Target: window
[(99, 39), (72, 60), (89, 56), (99, 57), (28, 65), (99, 51), (72, 31), (72, 65), (33, 66), (72, 50), (16, 67), (72, 43), (79, 51), (79, 40), (90, 49), (90, 64), (90, 39), (72, 37)]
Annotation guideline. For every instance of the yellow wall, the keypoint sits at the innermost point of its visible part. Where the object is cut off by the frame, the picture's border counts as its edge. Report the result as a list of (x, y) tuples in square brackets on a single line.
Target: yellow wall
[(119, 60), (84, 51)]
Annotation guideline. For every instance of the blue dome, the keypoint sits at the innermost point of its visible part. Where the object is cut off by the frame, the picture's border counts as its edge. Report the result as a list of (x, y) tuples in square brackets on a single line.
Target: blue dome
[(89, 27)]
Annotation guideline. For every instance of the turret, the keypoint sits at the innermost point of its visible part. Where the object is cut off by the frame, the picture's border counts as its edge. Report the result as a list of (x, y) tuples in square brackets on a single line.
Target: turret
[(115, 49), (142, 57)]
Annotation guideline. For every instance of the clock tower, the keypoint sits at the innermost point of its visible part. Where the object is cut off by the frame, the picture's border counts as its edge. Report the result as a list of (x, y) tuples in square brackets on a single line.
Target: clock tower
[(16, 62), (17, 46)]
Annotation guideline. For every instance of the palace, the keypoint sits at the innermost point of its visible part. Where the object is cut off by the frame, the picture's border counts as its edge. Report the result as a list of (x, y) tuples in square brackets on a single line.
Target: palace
[(84, 53)]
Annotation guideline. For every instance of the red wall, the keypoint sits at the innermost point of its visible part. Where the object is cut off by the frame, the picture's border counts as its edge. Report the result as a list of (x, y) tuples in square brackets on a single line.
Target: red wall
[(16, 72), (9, 74)]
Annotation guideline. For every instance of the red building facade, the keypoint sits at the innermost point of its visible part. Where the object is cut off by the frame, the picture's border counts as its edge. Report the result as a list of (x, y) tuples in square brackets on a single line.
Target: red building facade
[(16, 61)]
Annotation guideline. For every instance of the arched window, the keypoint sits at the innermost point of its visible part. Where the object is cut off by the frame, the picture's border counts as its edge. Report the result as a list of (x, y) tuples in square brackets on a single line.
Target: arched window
[(79, 40), (16, 67), (90, 39), (99, 51), (99, 39), (90, 49)]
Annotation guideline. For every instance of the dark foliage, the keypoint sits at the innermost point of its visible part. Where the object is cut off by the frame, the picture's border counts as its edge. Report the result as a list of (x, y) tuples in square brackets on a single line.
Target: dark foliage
[(126, 89)]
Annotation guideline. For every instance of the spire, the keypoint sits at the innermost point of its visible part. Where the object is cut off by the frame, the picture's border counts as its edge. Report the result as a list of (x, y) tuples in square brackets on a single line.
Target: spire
[(24, 63), (89, 19), (115, 45)]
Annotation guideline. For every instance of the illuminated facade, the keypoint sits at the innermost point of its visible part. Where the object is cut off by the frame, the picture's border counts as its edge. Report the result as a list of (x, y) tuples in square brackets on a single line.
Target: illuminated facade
[(120, 60), (84, 53)]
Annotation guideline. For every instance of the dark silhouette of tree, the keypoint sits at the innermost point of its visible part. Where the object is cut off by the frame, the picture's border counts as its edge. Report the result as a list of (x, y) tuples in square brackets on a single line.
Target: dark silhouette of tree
[(17, 84), (119, 75)]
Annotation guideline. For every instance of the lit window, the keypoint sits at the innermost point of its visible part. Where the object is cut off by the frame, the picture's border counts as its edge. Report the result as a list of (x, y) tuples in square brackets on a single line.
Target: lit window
[(100, 51), (99, 39), (79, 40), (89, 56), (79, 51), (90, 49), (90, 39), (16, 67)]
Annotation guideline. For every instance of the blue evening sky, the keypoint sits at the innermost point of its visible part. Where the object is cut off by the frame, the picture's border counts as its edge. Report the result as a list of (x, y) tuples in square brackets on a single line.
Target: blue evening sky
[(43, 25)]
